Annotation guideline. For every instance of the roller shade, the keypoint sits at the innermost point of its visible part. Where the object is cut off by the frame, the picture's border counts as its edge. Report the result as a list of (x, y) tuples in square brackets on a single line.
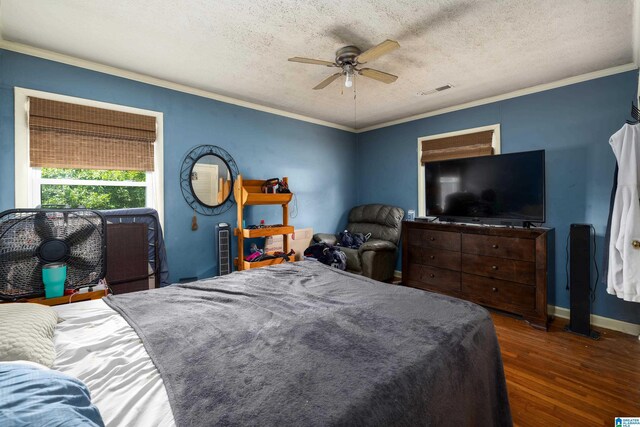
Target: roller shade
[(65, 135), (457, 147)]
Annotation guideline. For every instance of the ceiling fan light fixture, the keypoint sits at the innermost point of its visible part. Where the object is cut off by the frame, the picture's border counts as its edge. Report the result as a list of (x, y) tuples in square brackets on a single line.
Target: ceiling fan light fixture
[(348, 81), (348, 58)]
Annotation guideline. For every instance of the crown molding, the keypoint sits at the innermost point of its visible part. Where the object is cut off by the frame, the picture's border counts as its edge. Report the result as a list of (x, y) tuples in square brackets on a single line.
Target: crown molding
[(94, 66), (143, 78), (521, 92)]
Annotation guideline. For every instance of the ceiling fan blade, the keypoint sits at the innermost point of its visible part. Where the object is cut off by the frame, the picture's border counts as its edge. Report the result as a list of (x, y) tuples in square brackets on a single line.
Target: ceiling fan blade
[(327, 81), (312, 61), (377, 51), (378, 75)]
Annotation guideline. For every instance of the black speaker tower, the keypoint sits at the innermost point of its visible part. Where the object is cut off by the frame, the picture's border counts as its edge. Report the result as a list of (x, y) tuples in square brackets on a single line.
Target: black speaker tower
[(580, 280)]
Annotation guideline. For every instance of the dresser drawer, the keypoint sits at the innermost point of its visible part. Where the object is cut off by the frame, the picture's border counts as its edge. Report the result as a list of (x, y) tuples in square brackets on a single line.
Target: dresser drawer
[(500, 268), (435, 239), (498, 293), (430, 278), (435, 257), (503, 247)]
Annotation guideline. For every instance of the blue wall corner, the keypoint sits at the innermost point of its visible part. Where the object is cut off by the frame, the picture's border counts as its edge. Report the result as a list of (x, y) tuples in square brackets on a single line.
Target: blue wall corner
[(572, 123), (263, 145)]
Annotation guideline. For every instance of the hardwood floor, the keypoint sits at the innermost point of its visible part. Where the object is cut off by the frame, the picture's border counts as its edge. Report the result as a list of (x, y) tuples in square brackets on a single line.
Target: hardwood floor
[(556, 378)]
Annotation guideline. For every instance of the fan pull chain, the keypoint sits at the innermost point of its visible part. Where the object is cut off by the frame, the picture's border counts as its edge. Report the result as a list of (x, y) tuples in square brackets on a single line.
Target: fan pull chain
[(355, 103)]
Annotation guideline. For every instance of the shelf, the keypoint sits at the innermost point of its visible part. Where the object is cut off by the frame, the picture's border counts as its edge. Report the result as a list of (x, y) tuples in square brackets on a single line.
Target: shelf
[(66, 299), (246, 265), (264, 232), (265, 198), (249, 192)]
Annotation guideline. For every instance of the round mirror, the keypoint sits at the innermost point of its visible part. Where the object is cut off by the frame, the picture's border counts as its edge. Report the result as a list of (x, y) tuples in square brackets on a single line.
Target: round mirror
[(211, 180), (206, 179)]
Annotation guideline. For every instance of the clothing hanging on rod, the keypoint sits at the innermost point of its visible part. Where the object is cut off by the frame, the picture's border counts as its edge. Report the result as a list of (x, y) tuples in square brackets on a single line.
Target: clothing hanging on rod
[(623, 276)]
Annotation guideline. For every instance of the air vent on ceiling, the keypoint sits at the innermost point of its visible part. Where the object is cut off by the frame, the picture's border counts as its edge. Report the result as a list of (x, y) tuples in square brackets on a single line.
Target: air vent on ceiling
[(438, 89)]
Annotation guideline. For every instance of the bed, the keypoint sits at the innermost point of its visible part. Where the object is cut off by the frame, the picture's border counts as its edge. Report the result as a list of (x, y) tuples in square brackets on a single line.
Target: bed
[(294, 344)]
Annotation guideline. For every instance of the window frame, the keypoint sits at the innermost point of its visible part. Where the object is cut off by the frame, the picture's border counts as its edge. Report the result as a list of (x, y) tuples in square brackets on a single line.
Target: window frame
[(495, 143), (28, 180)]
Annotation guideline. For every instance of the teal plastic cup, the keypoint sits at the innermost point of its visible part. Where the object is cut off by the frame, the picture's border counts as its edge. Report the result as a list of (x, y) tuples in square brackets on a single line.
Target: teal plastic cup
[(53, 277)]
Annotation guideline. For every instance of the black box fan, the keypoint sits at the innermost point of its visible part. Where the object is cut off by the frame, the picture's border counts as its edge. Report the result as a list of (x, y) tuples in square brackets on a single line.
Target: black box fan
[(31, 238)]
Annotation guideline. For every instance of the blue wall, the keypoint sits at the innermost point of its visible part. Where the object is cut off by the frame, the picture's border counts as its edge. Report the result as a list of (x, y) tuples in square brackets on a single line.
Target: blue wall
[(572, 123), (263, 145)]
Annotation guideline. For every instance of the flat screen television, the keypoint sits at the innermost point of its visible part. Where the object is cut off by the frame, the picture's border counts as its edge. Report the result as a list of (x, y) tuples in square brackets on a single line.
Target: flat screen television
[(506, 189)]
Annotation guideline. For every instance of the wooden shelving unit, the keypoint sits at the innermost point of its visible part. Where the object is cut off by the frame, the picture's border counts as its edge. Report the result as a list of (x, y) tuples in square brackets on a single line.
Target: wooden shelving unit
[(247, 193)]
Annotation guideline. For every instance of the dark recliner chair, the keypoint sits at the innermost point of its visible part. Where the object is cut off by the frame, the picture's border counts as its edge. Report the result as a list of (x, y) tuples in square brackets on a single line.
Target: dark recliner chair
[(377, 257)]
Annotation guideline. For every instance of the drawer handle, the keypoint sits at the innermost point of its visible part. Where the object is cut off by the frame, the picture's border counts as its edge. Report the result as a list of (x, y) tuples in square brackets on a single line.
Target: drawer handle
[(494, 289), (636, 244), (494, 267), (432, 275), (495, 246), (432, 239), (432, 257)]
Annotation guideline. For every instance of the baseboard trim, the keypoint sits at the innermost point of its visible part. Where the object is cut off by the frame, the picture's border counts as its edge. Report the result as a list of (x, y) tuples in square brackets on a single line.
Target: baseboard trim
[(563, 313), (600, 321)]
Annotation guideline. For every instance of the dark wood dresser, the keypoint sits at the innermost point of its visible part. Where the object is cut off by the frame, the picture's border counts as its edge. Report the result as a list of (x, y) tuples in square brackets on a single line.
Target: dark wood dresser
[(502, 268)]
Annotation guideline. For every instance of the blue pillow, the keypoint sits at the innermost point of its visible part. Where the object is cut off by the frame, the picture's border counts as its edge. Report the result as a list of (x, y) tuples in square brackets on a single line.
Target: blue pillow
[(31, 396)]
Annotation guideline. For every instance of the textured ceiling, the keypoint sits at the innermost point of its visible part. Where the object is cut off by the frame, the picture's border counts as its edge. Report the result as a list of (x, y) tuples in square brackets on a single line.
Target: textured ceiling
[(239, 48)]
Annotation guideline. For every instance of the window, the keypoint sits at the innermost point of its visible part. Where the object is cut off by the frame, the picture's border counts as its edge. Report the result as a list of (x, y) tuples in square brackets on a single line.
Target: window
[(93, 189), (81, 153), (482, 141)]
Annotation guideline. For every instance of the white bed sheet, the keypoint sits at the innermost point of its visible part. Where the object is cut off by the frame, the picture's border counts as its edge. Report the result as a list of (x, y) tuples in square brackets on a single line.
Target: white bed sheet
[(96, 345)]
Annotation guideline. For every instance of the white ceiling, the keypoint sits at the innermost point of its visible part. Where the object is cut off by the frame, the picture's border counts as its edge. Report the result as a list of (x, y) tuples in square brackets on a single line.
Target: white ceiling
[(239, 48)]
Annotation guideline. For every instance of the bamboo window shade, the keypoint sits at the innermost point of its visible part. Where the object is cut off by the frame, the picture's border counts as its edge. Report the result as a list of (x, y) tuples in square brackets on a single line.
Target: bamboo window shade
[(457, 147), (65, 135)]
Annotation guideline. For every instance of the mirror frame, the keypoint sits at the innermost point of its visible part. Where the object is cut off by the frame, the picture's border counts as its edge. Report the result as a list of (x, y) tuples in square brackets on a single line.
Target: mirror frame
[(186, 186)]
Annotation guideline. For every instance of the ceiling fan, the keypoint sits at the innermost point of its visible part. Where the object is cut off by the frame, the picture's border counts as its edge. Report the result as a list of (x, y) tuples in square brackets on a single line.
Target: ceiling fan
[(349, 58)]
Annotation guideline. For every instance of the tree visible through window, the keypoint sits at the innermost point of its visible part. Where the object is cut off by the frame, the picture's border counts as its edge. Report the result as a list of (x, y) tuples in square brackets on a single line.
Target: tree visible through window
[(103, 189)]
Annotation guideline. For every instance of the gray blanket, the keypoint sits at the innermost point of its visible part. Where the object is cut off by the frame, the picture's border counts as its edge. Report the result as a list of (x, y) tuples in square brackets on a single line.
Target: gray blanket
[(304, 344)]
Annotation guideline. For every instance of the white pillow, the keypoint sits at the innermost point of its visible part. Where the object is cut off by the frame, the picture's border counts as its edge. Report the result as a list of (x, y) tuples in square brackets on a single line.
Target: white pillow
[(26, 333)]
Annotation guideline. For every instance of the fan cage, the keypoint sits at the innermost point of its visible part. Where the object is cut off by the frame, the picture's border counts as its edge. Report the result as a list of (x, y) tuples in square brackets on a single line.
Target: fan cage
[(22, 233)]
